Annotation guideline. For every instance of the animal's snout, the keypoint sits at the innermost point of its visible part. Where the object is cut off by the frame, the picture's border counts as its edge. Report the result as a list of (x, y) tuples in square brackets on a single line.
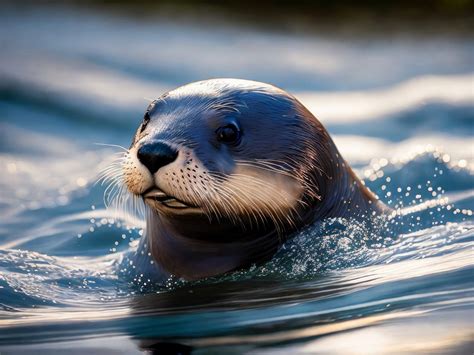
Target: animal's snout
[(155, 155)]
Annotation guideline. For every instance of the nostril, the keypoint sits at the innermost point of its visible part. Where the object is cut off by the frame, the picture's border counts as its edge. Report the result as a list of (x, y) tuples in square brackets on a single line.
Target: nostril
[(155, 155)]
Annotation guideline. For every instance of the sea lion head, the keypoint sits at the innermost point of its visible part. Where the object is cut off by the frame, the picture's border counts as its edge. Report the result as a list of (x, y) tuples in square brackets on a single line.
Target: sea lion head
[(228, 168)]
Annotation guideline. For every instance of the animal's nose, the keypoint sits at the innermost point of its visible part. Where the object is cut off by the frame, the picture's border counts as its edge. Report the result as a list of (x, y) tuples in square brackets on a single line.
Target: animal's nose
[(155, 155)]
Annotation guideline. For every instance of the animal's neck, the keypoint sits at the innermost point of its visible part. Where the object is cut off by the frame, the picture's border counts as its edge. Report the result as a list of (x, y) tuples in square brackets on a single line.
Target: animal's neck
[(193, 256)]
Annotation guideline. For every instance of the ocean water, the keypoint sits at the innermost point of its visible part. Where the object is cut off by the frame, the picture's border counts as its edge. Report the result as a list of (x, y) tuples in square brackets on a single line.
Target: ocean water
[(400, 109)]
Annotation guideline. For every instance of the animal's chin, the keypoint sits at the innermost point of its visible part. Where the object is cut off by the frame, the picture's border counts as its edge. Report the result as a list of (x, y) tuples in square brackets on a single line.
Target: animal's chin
[(162, 202)]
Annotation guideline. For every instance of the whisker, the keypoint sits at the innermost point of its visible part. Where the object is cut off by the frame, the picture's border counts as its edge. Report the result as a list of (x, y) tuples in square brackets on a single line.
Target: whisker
[(112, 145), (116, 195)]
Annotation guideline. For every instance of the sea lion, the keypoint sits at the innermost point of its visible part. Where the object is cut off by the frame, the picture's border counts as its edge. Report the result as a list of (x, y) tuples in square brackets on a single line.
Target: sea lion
[(229, 170)]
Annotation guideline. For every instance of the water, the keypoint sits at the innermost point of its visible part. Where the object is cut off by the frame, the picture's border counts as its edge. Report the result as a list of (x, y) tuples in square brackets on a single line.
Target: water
[(401, 112)]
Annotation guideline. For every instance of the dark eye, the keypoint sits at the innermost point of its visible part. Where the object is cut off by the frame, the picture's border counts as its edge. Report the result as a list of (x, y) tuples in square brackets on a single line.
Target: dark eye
[(146, 119), (228, 134)]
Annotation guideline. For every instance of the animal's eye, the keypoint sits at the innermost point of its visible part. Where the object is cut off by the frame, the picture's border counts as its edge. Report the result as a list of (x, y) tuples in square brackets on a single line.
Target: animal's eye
[(146, 119), (228, 134)]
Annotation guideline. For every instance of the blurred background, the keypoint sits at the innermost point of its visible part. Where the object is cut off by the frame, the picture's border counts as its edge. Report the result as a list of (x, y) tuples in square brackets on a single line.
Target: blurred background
[(393, 81)]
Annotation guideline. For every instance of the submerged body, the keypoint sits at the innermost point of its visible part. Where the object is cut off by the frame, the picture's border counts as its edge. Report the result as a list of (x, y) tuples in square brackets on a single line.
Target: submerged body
[(229, 169)]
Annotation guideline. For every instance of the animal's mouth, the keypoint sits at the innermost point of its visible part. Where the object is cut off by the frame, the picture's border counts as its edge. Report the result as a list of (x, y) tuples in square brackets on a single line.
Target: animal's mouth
[(159, 196)]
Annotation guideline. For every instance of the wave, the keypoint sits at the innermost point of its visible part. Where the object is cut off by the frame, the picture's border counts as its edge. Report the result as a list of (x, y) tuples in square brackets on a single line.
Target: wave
[(345, 107)]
